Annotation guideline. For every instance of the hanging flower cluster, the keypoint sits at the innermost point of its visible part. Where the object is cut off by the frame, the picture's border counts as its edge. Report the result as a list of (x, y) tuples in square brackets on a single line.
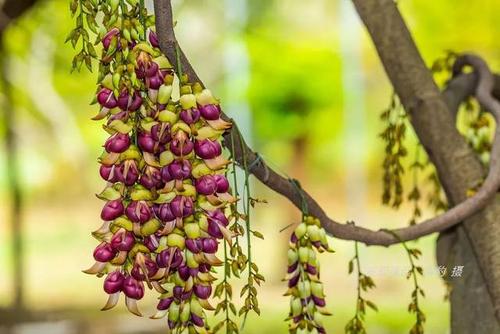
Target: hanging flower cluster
[(167, 197), (307, 298)]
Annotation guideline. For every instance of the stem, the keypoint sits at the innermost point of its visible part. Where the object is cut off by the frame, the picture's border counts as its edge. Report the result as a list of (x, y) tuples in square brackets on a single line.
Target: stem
[(226, 297), (142, 18)]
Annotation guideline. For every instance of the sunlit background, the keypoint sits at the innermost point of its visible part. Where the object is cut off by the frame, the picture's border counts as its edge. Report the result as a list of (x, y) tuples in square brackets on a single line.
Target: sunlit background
[(303, 82)]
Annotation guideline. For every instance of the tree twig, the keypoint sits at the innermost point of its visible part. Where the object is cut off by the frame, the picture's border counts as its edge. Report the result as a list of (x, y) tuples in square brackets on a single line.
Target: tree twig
[(283, 186)]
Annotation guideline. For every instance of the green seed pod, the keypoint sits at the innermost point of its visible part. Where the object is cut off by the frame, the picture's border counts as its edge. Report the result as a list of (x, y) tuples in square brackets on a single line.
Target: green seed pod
[(318, 318), (132, 153), (196, 307), (303, 254), (188, 101), (150, 227), (313, 232), (201, 170), (304, 289), (300, 230), (123, 222), (203, 222), (140, 193), (173, 312), (107, 81), (114, 4), (164, 93), (175, 240), (192, 230), (116, 80), (109, 194), (168, 116), (317, 289), (190, 260), (296, 307), (292, 257), (185, 313)]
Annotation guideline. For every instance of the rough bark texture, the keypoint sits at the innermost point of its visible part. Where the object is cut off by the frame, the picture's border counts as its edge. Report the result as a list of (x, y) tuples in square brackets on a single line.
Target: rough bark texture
[(458, 169)]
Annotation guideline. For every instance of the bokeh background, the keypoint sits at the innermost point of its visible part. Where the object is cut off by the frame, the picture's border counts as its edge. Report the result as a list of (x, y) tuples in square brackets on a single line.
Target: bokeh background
[(302, 80)]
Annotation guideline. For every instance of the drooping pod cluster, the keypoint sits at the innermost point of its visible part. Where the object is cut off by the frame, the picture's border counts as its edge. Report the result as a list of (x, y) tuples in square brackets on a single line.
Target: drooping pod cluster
[(307, 298), (166, 196)]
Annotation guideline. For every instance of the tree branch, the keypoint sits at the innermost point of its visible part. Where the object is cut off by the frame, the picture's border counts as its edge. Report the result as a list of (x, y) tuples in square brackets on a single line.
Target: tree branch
[(285, 187)]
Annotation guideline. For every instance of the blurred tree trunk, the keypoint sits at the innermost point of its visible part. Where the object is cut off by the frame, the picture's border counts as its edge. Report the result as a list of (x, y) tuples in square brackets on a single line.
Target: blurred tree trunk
[(475, 298), (11, 10)]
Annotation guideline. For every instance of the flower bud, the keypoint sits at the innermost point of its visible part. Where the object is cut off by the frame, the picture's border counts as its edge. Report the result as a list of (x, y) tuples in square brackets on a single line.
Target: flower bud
[(150, 266), (164, 93), (210, 112), (163, 259), (112, 210), (161, 133), (123, 241), (207, 149), (301, 230), (104, 253), (163, 212), (117, 143), (133, 288), (153, 39), (197, 320), (106, 98), (217, 216), (181, 148), (113, 282), (182, 206), (129, 173), (180, 169), (138, 211), (202, 291), (303, 254), (106, 40), (206, 185), (151, 178), (222, 183), (164, 303), (209, 245), (190, 116), (146, 142), (173, 312), (193, 246), (175, 240)]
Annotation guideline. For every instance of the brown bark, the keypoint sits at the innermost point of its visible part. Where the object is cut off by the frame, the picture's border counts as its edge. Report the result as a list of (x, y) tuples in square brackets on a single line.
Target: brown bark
[(457, 166), (169, 46)]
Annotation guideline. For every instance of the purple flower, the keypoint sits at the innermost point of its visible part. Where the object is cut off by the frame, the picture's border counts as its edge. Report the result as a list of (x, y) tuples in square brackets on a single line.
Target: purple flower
[(123, 241), (151, 242), (222, 183), (190, 116), (146, 142), (161, 133), (113, 282), (165, 175), (193, 245), (150, 266), (110, 173), (318, 301), (206, 185), (293, 281), (133, 288), (128, 172), (151, 178), (209, 245), (202, 291), (217, 216), (163, 258), (197, 321), (136, 102), (184, 272), (106, 40), (163, 212), (210, 112), (180, 169), (138, 211), (164, 304), (181, 147), (117, 143), (123, 100), (154, 81), (153, 39), (104, 252), (112, 210), (182, 206), (106, 98), (207, 149)]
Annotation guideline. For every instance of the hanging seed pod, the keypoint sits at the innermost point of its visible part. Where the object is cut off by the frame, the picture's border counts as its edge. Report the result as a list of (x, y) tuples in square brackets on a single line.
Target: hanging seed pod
[(307, 299)]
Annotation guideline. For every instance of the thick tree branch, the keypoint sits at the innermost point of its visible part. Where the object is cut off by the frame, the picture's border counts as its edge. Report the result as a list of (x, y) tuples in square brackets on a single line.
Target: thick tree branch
[(285, 187)]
